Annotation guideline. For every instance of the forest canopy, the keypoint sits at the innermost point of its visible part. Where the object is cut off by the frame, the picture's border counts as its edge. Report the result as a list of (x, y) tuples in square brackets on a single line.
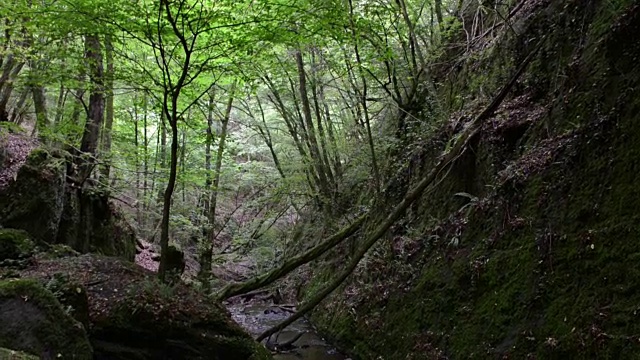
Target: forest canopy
[(218, 124)]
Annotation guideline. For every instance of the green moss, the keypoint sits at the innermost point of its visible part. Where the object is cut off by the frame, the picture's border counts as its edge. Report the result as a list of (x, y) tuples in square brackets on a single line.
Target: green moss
[(10, 127), (35, 322), (152, 313), (57, 251), (15, 244), (6, 354)]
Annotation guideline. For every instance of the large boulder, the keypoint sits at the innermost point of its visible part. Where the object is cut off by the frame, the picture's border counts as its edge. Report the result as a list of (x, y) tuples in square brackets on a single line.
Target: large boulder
[(33, 321), (53, 210), (133, 316), (34, 201), (92, 223)]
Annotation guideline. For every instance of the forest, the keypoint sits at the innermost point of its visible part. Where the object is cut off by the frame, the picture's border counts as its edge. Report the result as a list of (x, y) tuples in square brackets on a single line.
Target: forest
[(332, 179)]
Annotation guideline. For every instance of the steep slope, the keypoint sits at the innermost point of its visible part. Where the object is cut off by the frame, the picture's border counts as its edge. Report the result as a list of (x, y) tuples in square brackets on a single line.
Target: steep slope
[(528, 246)]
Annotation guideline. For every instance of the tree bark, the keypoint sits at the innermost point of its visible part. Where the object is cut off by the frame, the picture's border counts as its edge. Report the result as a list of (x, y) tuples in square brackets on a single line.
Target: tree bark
[(95, 115), (313, 143), (109, 112), (9, 73), (40, 107), (18, 110), (206, 259)]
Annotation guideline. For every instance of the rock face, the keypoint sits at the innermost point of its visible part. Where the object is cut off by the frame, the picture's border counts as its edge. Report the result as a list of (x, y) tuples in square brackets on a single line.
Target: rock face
[(541, 260), (34, 202), (33, 321), (42, 202)]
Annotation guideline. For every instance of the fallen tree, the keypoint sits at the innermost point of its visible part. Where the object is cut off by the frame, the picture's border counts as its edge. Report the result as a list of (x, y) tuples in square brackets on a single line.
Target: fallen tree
[(460, 145), (289, 265)]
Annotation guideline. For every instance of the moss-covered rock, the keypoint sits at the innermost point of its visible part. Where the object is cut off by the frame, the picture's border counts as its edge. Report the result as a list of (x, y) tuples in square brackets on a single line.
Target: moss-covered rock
[(155, 320), (34, 201), (51, 209), (133, 316), (33, 321), (56, 251), (100, 227), (15, 244), (72, 295)]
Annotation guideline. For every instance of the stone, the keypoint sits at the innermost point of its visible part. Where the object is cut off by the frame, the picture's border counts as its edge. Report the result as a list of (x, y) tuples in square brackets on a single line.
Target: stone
[(35, 322)]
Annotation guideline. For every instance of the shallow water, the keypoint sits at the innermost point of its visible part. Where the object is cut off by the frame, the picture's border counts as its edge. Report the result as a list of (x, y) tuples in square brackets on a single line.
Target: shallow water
[(258, 318)]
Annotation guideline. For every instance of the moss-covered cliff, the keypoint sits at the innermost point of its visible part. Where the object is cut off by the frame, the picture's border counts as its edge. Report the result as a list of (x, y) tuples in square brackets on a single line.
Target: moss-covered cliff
[(528, 247)]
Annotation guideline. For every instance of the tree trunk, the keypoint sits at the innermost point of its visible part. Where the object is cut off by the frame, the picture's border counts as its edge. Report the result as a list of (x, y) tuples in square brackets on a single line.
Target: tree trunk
[(9, 73), (60, 105), (313, 143), (17, 114), (438, 6), (109, 113), (207, 155), (40, 107), (168, 192), (141, 223), (363, 101), (136, 143), (318, 112), (91, 134), (206, 259)]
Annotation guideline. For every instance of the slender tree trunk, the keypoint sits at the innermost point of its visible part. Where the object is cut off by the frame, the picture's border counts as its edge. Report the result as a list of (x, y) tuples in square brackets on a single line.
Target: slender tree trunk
[(206, 259), (136, 143), (337, 165), (266, 136), (109, 112), (298, 139), (145, 174), (313, 144), (40, 107), (183, 158), (76, 111), (439, 17), (91, 135), (207, 155), (9, 73), (318, 112), (163, 142), (62, 91), (363, 102), (172, 119), (19, 109)]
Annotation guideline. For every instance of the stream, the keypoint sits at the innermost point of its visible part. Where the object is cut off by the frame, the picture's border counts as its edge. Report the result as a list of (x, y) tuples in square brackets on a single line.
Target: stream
[(310, 346)]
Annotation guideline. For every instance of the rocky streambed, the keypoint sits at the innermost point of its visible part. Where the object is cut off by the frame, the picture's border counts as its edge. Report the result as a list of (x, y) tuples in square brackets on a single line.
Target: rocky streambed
[(256, 318)]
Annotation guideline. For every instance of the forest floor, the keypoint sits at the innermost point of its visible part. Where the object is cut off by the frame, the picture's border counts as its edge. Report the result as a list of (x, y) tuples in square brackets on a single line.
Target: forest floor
[(16, 148)]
